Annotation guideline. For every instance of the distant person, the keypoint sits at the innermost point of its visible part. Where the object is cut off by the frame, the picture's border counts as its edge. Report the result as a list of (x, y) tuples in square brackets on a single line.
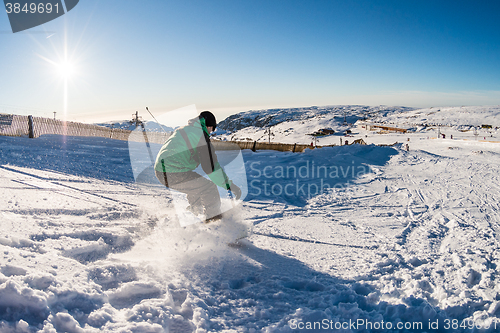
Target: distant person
[(184, 151)]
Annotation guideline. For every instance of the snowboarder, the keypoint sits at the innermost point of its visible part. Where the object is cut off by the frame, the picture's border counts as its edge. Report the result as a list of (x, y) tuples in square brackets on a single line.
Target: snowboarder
[(184, 151)]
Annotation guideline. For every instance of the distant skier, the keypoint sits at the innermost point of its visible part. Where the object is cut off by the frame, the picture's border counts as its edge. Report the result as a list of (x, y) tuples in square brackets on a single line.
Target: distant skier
[(184, 151)]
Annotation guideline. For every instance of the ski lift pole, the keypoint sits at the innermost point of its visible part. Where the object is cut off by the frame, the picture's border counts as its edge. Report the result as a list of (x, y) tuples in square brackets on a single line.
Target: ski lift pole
[(156, 120), (229, 193), (145, 135), (146, 140)]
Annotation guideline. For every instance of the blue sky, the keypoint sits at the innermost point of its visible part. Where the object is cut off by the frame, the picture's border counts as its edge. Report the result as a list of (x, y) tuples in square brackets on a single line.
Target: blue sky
[(230, 56)]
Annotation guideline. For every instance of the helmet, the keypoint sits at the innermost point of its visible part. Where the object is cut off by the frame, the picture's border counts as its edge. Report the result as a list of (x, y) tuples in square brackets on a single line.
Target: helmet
[(209, 119)]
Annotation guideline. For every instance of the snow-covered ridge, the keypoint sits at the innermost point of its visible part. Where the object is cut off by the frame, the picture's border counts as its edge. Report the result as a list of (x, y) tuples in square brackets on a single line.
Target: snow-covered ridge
[(340, 114), (296, 125), (335, 114), (462, 117), (150, 126)]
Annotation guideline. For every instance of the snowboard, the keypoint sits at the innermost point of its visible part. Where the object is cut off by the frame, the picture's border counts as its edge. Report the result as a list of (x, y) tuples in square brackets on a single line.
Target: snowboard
[(228, 225)]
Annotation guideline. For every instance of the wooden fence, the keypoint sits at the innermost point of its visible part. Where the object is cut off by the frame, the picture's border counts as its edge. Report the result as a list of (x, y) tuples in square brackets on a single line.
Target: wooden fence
[(254, 146), (33, 127), (13, 125)]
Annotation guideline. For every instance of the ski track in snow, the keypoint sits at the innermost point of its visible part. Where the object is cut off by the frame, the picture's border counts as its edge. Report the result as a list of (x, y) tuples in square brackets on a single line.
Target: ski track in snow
[(414, 240)]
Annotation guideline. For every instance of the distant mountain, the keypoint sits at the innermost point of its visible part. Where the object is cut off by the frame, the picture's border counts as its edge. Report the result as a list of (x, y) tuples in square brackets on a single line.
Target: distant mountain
[(294, 125), (150, 126), (460, 117), (337, 114)]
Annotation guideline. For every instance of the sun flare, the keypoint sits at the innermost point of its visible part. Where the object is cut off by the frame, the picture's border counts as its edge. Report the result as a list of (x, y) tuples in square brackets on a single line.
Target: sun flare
[(65, 69)]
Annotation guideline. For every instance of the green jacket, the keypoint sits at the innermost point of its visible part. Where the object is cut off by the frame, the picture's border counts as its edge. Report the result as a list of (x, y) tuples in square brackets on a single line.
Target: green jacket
[(175, 155)]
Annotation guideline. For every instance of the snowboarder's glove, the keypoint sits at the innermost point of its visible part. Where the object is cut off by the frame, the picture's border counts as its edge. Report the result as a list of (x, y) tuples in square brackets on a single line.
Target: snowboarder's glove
[(236, 191)]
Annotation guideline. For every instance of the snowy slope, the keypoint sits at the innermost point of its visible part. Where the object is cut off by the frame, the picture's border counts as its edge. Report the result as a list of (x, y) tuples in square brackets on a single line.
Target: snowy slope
[(352, 238), (334, 114), (463, 117), (296, 125)]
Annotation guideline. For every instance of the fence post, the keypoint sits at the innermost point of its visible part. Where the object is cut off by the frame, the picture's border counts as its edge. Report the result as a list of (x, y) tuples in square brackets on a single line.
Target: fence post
[(31, 132), (254, 145), (294, 146)]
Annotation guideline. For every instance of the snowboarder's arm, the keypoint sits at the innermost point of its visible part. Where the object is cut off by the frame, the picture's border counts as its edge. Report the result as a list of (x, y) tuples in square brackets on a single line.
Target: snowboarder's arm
[(211, 166)]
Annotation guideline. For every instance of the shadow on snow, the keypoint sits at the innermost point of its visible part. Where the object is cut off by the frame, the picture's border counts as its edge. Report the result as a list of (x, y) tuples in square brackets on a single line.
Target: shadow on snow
[(293, 178), (93, 157)]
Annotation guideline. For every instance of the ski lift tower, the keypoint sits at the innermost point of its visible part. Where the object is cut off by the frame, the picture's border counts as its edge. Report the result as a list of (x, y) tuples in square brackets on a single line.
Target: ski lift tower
[(268, 132), (136, 119)]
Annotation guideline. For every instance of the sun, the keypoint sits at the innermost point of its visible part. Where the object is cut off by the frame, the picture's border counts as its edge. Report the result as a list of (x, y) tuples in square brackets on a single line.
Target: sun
[(65, 69)]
